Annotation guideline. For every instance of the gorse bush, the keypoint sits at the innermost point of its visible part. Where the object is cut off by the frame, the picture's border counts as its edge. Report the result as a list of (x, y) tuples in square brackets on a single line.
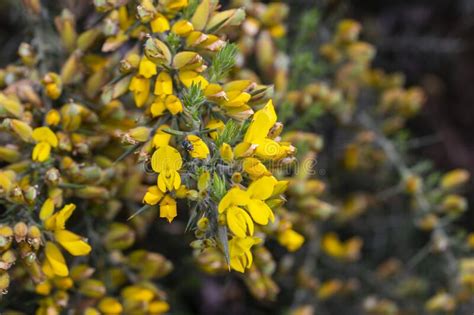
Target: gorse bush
[(239, 146)]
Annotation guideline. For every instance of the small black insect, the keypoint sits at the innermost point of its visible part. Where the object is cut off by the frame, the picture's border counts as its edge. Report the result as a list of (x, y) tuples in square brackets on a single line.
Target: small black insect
[(187, 145)]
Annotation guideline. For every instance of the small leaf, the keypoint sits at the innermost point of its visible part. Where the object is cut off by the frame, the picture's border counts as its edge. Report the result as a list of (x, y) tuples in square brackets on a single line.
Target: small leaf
[(222, 234), (144, 208), (192, 219), (128, 152), (223, 62)]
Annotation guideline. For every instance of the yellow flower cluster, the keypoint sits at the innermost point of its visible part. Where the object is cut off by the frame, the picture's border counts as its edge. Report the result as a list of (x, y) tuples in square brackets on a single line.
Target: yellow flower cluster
[(196, 124)]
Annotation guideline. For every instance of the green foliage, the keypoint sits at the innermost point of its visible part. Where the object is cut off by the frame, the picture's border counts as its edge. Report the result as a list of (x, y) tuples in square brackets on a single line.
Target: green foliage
[(229, 134), (222, 62)]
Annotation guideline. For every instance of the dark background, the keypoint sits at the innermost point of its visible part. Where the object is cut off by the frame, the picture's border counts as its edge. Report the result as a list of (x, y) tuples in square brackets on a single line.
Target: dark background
[(431, 42)]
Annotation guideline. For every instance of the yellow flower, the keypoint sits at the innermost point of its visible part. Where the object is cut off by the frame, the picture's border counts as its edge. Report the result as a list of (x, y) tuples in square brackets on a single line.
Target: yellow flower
[(137, 293), (332, 245), (58, 220), (71, 242), (203, 181), (214, 92), (140, 87), (262, 122), (240, 255), (291, 239), (158, 107), (470, 240), (6, 180), (161, 138), (53, 85), (454, 178), (22, 129), (217, 125), (41, 152), (329, 288), (164, 84), (256, 137), (140, 134), (91, 311), (173, 6), (166, 161), (239, 222), (182, 28), (253, 200), (146, 68), (173, 104), (278, 31), (189, 78), (226, 153), (199, 147), (236, 99), (158, 307), (348, 250), (159, 24), (189, 60), (153, 195), (52, 117), (234, 197), (259, 191), (169, 102), (54, 263), (47, 209), (168, 208), (269, 149), (110, 305), (255, 168), (43, 288)]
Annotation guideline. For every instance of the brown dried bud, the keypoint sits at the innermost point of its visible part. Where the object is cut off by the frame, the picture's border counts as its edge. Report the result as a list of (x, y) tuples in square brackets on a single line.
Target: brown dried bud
[(20, 230)]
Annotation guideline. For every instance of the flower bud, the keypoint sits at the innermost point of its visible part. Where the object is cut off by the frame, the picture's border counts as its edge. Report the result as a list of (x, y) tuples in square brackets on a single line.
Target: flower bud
[(139, 134), (413, 184), (34, 237), (88, 38), (30, 194), (192, 194), (119, 236), (197, 244), (454, 179), (6, 236), (182, 28), (66, 26), (70, 71), (7, 259), (157, 51), (4, 282), (203, 224), (454, 204), (92, 288), (146, 11), (22, 129), (9, 153), (347, 31), (226, 153), (237, 178), (92, 192), (81, 272), (27, 54), (222, 19), (20, 231)]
